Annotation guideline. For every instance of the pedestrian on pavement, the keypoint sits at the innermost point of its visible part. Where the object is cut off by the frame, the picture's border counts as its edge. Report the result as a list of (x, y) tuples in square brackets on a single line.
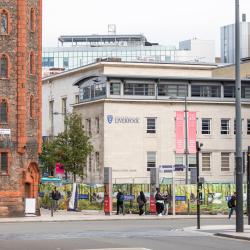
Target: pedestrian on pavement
[(141, 200), (166, 203), (119, 202), (232, 205), (159, 202), (55, 198)]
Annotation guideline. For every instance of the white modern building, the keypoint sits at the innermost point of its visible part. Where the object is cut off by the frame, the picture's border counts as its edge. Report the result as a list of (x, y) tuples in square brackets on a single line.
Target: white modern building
[(77, 51), (129, 111), (228, 41)]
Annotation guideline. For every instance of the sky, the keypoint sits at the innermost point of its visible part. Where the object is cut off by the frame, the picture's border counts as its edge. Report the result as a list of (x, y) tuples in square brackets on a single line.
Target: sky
[(164, 21)]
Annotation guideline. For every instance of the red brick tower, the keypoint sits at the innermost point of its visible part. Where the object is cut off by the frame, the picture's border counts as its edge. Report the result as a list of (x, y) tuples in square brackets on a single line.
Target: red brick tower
[(20, 102)]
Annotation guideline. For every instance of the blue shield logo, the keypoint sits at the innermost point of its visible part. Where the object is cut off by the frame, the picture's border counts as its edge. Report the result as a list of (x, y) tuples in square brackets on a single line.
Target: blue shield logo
[(109, 118)]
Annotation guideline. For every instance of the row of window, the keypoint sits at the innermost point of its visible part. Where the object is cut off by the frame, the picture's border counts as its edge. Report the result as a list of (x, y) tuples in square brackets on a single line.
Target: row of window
[(94, 166), (5, 21), (179, 90), (205, 161), (4, 110), (5, 65), (206, 128)]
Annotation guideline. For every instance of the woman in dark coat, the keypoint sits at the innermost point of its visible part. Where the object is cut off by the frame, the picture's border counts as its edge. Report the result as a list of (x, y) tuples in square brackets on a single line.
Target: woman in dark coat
[(141, 200)]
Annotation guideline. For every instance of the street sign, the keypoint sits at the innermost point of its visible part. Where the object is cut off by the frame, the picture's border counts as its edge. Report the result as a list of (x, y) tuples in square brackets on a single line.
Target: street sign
[(171, 168), (5, 131)]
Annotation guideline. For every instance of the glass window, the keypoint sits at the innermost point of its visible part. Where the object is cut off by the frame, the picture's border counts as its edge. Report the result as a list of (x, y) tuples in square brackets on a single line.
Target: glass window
[(229, 91), (151, 160), (225, 162), (97, 124), (4, 66), (51, 116), (206, 161), (32, 107), (205, 91), (32, 63), (32, 19), (206, 126), (3, 112), (224, 129), (100, 89), (172, 90), (48, 61), (97, 161), (65, 62), (76, 98), (115, 88), (248, 126), (4, 23), (245, 92), (151, 126), (88, 126), (64, 106), (4, 163), (90, 163), (139, 89), (179, 159)]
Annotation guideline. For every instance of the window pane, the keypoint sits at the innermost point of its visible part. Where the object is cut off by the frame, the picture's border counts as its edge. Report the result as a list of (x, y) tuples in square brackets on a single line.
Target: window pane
[(4, 162), (206, 162), (224, 126), (151, 160), (229, 91), (205, 130), (248, 126), (225, 160), (151, 128), (115, 88), (205, 91), (3, 112), (4, 23), (3, 67)]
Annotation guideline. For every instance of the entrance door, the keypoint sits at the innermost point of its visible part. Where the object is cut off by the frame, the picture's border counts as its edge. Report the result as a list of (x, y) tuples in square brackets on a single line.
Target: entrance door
[(27, 190)]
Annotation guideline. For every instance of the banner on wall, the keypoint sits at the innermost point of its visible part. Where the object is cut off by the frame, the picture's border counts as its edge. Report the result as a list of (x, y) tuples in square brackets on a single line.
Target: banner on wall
[(179, 126), (191, 132), (59, 168)]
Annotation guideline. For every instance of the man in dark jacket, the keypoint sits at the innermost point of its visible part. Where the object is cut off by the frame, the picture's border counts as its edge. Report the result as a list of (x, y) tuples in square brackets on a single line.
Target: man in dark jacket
[(56, 196), (141, 200), (232, 205), (159, 199), (119, 202)]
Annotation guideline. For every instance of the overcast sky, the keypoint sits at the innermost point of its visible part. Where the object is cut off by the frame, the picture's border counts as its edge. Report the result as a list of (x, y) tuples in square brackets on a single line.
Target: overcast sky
[(164, 21)]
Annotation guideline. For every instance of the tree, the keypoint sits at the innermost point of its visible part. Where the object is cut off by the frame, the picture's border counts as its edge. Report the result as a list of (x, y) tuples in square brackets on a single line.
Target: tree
[(72, 147), (48, 158)]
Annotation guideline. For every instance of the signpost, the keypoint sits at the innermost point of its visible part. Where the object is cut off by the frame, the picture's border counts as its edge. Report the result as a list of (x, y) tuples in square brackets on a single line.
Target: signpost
[(248, 184), (154, 183)]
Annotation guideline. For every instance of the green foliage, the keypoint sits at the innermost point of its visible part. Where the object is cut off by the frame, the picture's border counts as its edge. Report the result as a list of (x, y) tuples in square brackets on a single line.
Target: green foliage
[(71, 147), (48, 158)]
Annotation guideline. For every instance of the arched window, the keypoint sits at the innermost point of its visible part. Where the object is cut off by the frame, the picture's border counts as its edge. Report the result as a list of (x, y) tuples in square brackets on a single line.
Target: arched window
[(32, 63), (3, 66), (32, 107), (4, 22), (3, 111), (32, 19)]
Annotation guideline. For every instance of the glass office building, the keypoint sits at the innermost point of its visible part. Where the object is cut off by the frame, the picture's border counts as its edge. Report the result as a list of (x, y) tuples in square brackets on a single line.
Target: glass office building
[(77, 51)]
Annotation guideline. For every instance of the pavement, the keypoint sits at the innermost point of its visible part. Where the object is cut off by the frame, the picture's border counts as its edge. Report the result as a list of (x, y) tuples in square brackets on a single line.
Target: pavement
[(228, 231)]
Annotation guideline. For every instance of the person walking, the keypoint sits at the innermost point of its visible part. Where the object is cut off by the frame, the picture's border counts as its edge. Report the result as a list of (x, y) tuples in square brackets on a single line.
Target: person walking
[(119, 202), (232, 205), (55, 198), (141, 200), (159, 202), (166, 203)]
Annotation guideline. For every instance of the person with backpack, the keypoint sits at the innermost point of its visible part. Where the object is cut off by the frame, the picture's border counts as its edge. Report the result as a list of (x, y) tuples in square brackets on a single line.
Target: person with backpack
[(56, 196), (232, 205), (119, 202), (141, 200)]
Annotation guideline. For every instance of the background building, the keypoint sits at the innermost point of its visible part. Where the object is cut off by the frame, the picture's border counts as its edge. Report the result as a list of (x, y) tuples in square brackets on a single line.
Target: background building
[(228, 41), (20, 103), (77, 51), (129, 111)]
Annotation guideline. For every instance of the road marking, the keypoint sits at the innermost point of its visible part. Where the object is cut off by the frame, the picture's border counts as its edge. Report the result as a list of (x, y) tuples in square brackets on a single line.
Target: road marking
[(116, 249)]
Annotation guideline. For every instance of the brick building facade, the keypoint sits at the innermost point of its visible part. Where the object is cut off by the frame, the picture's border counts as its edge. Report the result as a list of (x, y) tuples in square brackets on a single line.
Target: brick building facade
[(20, 102)]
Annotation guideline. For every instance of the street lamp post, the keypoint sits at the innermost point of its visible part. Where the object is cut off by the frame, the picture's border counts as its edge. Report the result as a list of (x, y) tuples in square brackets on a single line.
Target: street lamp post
[(186, 138), (238, 144)]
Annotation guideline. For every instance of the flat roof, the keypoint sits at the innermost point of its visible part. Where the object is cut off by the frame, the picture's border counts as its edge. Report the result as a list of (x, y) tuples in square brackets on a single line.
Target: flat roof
[(102, 38)]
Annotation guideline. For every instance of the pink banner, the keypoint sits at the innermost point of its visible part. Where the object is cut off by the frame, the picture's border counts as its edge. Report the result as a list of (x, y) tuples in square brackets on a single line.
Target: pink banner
[(179, 126), (59, 168), (191, 132)]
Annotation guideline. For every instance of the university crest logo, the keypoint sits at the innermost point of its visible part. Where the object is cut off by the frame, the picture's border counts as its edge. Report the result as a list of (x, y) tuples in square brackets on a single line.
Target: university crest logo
[(109, 118)]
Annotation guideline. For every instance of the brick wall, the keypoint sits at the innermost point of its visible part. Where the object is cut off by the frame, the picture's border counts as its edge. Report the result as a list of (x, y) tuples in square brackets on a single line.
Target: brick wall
[(25, 142)]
